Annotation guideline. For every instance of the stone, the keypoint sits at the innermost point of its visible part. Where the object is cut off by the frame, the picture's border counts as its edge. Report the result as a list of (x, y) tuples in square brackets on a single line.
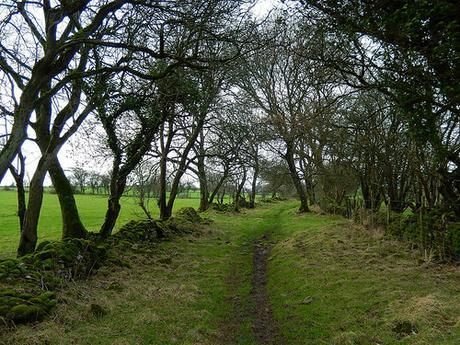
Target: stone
[(308, 300)]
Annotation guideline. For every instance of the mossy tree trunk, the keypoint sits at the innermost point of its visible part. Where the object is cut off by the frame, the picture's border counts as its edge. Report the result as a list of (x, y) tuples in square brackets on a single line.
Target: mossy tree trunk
[(117, 187), (72, 227), (201, 172), (50, 139), (111, 215), (126, 156), (28, 239)]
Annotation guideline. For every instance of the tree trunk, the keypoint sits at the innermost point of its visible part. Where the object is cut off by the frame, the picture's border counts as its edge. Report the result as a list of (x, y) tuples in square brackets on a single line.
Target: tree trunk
[(252, 197), (18, 175), (204, 199), (164, 214), (28, 239), (111, 215), (19, 130), (372, 198), (72, 227), (238, 191), (221, 198), (289, 156), (218, 186), (310, 188), (167, 211), (113, 205), (204, 190)]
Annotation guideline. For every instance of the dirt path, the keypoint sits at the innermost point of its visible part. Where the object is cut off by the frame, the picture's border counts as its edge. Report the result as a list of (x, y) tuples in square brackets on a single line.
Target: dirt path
[(264, 325)]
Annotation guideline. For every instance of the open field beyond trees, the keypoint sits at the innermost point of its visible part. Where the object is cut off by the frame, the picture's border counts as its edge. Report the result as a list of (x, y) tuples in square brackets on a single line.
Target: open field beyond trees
[(91, 207)]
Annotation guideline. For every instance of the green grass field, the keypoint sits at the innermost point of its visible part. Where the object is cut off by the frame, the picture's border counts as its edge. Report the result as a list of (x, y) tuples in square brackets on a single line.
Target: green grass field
[(360, 288), (91, 207)]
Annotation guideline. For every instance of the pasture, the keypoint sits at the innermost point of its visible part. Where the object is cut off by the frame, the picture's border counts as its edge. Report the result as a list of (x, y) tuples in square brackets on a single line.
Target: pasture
[(91, 208)]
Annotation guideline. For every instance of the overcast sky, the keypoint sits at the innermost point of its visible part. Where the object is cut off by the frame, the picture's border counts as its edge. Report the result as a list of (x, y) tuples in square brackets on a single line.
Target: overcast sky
[(66, 154)]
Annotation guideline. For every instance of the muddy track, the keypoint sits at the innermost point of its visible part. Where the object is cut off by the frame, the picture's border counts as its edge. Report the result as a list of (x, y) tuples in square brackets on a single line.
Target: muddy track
[(264, 326)]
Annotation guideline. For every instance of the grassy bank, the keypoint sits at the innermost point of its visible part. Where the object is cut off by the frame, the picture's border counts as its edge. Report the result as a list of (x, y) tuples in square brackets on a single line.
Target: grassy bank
[(333, 283), (328, 283)]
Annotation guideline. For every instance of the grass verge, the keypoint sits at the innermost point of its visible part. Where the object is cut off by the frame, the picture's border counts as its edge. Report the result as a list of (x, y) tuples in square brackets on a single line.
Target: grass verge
[(334, 283)]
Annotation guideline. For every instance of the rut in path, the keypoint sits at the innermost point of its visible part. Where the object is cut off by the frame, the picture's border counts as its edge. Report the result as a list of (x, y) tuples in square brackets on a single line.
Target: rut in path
[(264, 325)]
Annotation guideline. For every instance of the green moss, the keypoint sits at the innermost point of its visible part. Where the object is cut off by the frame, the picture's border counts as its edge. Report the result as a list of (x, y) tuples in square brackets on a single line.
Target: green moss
[(44, 298), (222, 207), (25, 313), (11, 300), (42, 245), (137, 231), (48, 264), (46, 254), (189, 214), (23, 307)]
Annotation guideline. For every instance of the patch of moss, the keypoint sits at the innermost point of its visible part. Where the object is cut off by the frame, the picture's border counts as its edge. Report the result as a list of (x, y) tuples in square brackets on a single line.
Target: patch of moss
[(189, 214), (222, 207), (25, 313), (22, 298), (138, 231), (21, 307)]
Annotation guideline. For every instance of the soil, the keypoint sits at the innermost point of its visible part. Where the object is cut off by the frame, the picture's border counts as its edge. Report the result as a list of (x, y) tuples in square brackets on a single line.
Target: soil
[(264, 326)]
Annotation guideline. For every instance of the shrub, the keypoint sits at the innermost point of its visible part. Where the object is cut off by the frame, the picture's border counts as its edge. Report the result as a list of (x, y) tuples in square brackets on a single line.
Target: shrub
[(453, 239), (434, 230), (331, 206)]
